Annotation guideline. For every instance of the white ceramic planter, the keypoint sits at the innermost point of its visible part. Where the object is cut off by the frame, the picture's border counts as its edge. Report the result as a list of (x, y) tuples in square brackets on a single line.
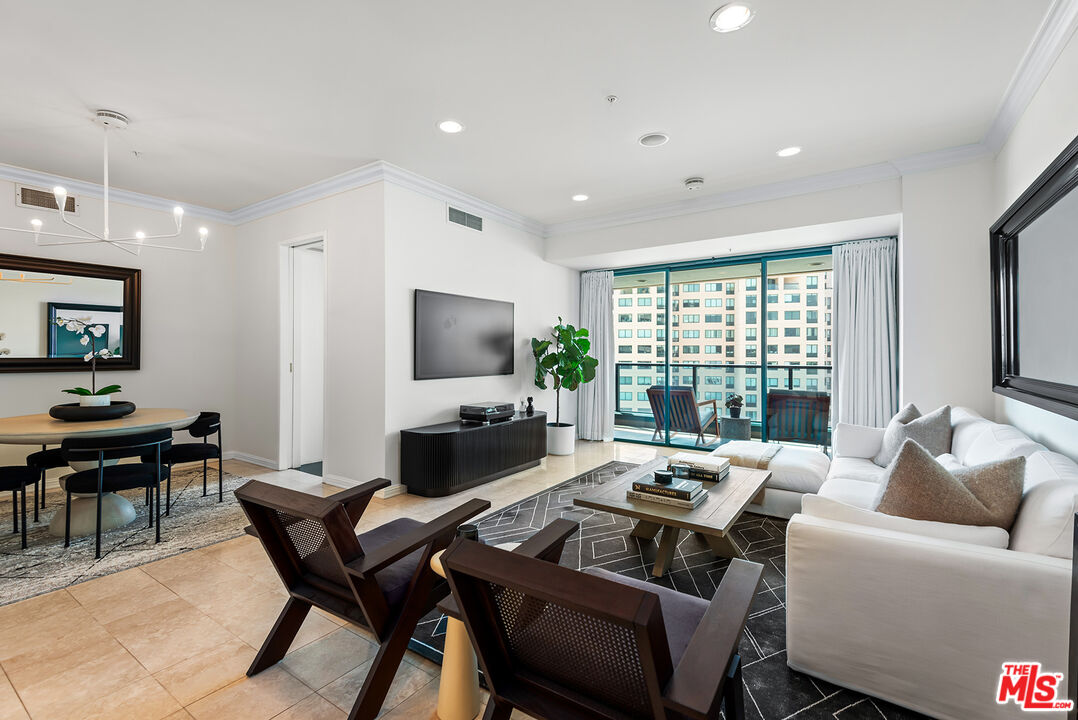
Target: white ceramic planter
[(560, 439), (95, 400)]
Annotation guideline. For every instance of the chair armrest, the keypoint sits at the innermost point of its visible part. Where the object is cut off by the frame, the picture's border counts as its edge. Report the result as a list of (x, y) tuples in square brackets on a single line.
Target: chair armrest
[(546, 545), (355, 500), (695, 689), (713, 403), (440, 529), (858, 441)]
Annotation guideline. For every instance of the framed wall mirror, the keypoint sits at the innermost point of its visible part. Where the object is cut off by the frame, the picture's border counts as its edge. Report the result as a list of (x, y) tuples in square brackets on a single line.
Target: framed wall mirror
[(1034, 249), (35, 293)]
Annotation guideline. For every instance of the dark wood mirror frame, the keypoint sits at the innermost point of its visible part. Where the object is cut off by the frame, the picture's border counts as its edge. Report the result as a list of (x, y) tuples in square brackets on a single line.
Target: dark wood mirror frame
[(1060, 178), (132, 308)]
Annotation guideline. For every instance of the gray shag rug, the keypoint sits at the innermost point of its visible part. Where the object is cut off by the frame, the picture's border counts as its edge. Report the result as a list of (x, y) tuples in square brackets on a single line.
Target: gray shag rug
[(46, 565)]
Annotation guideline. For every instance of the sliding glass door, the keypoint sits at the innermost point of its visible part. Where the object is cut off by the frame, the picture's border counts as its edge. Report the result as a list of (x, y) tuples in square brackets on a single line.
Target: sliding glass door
[(688, 338)]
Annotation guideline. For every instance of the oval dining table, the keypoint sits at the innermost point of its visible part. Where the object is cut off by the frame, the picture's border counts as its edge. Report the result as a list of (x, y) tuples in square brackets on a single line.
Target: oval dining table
[(42, 429)]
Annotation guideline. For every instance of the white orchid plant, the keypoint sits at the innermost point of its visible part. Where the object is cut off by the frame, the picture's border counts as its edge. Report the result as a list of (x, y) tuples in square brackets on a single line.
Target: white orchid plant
[(91, 335)]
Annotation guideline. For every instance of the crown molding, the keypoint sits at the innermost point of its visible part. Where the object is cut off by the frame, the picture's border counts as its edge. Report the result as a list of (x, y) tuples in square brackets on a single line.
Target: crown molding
[(24, 176), (937, 159), (1049, 41), (357, 178)]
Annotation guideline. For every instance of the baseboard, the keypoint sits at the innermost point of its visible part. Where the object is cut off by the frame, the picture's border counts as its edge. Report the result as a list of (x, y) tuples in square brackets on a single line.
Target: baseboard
[(391, 491), (253, 459), (339, 481)]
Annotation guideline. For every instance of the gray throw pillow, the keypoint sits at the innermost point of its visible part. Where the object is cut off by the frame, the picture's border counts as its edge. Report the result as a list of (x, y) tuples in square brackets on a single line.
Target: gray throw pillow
[(918, 487), (932, 432)]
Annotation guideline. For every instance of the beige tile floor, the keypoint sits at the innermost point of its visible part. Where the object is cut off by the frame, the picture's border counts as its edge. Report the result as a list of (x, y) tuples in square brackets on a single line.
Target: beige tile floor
[(172, 639)]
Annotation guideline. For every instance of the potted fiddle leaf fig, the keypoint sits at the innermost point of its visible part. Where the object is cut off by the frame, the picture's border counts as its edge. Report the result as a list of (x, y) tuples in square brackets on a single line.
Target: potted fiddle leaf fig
[(91, 336), (565, 359)]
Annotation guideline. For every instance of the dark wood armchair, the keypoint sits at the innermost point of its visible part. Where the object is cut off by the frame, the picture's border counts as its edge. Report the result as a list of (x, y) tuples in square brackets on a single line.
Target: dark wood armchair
[(685, 412), (380, 579), (559, 644)]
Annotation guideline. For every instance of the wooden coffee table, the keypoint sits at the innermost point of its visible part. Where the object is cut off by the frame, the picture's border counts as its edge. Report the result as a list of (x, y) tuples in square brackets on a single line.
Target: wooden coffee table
[(712, 519)]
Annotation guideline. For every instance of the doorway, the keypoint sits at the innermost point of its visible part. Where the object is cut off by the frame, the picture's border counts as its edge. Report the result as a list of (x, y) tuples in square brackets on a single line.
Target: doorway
[(307, 284)]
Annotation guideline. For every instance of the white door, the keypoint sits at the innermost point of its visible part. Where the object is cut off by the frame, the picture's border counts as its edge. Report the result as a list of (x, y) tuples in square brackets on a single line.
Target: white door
[(308, 353)]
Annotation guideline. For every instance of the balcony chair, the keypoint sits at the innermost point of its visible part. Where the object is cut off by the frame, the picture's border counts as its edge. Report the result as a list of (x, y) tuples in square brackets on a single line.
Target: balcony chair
[(796, 416), (685, 415), (380, 579), (555, 643), (207, 424), (16, 478), (41, 461), (114, 478)]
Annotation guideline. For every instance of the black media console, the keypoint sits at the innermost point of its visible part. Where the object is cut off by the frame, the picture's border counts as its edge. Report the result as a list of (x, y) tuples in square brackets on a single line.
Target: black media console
[(443, 459)]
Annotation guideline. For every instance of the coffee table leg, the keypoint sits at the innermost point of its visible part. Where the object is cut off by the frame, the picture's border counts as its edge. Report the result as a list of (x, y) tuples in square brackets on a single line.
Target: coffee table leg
[(645, 530), (665, 556), (723, 546)]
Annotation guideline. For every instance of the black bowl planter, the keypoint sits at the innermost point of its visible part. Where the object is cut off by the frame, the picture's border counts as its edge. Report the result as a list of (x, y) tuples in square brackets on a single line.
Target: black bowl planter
[(73, 412)]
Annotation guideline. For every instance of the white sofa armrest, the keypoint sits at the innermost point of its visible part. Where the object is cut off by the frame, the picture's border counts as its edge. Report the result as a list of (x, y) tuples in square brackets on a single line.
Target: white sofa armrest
[(858, 441), (923, 622)]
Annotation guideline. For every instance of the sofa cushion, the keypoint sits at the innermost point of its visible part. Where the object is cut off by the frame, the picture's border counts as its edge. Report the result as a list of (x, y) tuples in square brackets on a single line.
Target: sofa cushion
[(829, 509), (856, 468), (1045, 523), (966, 426), (931, 431), (920, 488), (997, 442), (859, 493), (950, 462)]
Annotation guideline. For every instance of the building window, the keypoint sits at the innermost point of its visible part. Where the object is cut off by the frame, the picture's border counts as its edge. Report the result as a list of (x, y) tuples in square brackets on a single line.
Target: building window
[(660, 334), (643, 302), (643, 380), (712, 302), (772, 315), (812, 350), (690, 333), (690, 287), (772, 349), (643, 317), (812, 282), (812, 384), (750, 317), (791, 332), (713, 396), (791, 298), (772, 332), (811, 333), (713, 318), (712, 287), (625, 302), (642, 396), (811, 299), (730, 288), (750, 400), (812, 316), (625, 333), (788, 284), (773, 299), (750, 383), (690, 318), (730, 319), (625, 380), (691, 303), (772, 382), (690, 349), (731, 303), (625, 318), (792, 314), (643, 333), (750, 333), (712, 349), (730, 334), (772, 284), (625, 349), (713, 333), (750, 284), (643, 349), (730, 351), (750, 351), (791, 349), (750, 301), (625, 396), (730, 381)]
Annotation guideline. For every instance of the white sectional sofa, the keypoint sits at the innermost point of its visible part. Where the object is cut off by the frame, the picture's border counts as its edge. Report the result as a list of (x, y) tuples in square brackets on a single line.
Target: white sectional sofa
[(924, 614)]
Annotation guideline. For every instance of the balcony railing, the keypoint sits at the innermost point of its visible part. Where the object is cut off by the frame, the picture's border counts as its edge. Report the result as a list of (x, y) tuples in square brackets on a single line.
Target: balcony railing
[(717, 382)]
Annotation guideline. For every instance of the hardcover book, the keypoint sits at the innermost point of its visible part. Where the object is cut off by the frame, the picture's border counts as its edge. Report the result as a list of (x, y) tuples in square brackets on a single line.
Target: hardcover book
[(664, 500), (679, 489)]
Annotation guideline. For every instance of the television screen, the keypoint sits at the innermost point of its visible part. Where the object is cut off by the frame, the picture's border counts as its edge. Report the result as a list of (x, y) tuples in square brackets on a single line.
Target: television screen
[(458, 336)]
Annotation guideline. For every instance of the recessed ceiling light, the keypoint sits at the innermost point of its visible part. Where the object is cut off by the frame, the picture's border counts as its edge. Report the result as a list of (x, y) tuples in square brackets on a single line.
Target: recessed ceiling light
[(654, 139), (732, 16), (450, 126), (580, 198), (789, 151)]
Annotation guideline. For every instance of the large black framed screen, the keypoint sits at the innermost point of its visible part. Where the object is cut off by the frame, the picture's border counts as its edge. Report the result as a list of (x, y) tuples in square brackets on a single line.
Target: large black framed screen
[(460, 336)]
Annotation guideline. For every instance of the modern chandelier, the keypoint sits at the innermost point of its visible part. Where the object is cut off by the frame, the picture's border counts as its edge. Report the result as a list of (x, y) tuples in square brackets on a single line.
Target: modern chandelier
[(108, 120)]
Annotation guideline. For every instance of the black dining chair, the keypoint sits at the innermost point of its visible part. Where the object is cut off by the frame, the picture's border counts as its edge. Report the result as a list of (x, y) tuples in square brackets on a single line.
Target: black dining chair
[(42, 461), (113, 478), (207, 424), (16, 478)]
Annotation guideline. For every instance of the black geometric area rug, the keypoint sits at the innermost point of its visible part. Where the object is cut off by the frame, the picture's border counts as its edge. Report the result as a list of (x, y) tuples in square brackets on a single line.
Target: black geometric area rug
[(45, 565), (772, 690)]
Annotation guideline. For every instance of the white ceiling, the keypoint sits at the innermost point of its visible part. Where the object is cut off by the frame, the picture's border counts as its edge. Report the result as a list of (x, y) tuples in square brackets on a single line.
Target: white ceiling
[(233, 102)]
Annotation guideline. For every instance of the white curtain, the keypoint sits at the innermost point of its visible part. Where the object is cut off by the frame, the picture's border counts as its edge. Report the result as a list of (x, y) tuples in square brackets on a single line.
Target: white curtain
[(866, 332), (595, 400)]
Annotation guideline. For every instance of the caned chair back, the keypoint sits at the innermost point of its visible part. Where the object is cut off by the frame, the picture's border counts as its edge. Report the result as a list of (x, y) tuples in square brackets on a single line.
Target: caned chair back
[(684, 413), (115, 447), (310, 540), (553, 638), (798, 417)]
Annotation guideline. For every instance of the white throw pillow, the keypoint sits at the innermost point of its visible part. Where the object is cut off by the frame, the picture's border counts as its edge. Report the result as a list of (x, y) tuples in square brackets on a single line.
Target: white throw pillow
[(822, 507)]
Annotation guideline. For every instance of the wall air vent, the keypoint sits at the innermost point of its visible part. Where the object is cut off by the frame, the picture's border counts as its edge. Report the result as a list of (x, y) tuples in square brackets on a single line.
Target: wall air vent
[(466, 219), (31, 197)]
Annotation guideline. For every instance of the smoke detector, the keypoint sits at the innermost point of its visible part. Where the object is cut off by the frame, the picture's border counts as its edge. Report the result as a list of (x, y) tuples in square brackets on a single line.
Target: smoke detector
[(694, 183), (111, 119)]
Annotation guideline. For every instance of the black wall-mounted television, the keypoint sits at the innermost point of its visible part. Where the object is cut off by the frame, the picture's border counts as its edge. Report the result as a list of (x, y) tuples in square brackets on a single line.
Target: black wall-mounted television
[(460, 336)]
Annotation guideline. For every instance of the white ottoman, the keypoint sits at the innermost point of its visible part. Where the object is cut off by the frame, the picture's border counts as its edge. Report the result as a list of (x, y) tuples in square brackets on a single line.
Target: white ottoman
[(795, 471)]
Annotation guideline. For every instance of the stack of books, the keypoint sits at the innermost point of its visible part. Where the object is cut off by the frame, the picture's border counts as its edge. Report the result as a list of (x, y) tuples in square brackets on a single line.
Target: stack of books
[(708, 468), (680, 493)]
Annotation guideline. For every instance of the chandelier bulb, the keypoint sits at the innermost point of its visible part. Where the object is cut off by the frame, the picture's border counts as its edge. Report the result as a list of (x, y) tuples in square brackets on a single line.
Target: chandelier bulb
[(36, 223), (140, 236)]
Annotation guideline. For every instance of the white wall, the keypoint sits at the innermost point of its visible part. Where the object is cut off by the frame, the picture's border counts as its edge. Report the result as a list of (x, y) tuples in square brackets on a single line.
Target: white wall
[(425, 251), (188, 323), (944, 302), (353, 226), (1048, 125)]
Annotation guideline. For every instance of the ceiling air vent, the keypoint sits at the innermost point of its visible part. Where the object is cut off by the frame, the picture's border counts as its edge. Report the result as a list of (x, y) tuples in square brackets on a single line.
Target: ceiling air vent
[(31, 197), (466, 219)]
